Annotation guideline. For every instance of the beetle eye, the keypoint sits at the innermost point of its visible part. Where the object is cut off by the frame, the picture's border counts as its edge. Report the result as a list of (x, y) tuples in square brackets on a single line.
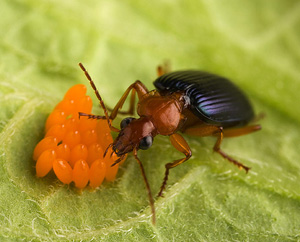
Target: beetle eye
[(125, 122), (146, 142)]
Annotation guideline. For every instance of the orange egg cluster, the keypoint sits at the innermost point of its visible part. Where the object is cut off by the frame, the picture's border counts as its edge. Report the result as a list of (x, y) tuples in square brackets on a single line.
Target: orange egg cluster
[(73, 147)]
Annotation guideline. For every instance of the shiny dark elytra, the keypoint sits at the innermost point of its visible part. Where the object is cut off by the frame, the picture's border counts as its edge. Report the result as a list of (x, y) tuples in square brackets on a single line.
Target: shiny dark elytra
[(213, 99), (192, 102)]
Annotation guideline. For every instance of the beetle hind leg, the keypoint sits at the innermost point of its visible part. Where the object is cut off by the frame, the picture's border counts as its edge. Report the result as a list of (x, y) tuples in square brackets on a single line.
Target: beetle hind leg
[(224, 155), (211, 130)]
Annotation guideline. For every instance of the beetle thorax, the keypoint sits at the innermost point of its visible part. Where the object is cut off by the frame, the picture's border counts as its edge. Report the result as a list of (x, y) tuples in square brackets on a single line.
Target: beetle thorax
[(163, 111)]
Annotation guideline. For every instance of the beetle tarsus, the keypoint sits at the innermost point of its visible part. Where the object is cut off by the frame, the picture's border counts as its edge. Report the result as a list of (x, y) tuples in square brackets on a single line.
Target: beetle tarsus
[(90, 116), (163, 185), (235, 162)]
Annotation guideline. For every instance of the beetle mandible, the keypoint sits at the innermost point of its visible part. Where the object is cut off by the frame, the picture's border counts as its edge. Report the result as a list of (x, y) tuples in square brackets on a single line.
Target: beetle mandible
[(192, 102)]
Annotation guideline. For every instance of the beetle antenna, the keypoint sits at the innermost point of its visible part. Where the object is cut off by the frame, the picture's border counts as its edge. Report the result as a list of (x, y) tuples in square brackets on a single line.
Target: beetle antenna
[(151, 200), (99, 97)]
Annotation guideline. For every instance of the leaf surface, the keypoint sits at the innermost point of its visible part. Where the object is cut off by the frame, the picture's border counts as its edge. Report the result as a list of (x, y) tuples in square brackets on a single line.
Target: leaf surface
[(255, 43)]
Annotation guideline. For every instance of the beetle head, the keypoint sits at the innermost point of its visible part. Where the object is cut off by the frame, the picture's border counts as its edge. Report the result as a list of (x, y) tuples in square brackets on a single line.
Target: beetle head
[(134, 134)]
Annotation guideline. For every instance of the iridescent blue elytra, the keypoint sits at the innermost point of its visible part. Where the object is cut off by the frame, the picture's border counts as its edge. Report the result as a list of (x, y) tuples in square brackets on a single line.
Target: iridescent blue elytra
[(213, 99)]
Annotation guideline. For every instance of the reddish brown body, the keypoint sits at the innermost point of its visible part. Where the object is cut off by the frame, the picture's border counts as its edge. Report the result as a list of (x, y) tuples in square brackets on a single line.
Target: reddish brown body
[(165, 112)]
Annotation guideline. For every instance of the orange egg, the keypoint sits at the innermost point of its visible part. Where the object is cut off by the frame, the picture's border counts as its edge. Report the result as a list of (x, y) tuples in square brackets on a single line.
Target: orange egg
[(63, 151), (111, 171), (81, 174), (103, 133), (44, 162), (58, 131), (86, 123), (85, 105), (62, 170), (97, 173), (79, 152), (78, 91), (44, 144), (89, 137), (72, 138), (66, 105), (95, 151), (73, 147), (56, 117), (71, 124)]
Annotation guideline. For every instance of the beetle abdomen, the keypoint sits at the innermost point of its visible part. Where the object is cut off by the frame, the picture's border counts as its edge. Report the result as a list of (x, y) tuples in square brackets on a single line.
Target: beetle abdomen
[(214, 99)]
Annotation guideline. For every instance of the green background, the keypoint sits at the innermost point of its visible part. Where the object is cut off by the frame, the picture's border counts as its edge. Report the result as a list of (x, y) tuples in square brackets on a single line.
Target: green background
[(255, 43)]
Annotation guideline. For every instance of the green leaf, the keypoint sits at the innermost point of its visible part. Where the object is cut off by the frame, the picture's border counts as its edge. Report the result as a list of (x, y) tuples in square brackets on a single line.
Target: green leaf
[(255, 43)]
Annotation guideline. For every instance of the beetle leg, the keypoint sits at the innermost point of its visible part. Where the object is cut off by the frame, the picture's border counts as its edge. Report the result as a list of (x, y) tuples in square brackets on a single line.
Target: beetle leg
[(181, 145), (224, 155), (164, 68), (258, 117), (234, 132), (90, 116), (201, 130), (151, 200), (130, 111), (137, 87), (208, 130)]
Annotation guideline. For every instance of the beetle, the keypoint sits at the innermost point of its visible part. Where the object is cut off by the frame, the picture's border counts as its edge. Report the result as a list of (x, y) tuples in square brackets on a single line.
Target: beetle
[(193, 102)]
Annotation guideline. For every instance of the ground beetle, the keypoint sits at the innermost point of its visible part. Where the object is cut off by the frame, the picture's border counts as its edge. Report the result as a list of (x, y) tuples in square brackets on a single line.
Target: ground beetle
[(192, 102)]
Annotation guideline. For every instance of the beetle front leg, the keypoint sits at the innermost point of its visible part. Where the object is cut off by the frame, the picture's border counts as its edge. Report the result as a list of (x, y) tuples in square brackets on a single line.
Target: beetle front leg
[(181, 145), (119, 105), (137, 87), (151, 200), (90, 116), (130, 111)]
